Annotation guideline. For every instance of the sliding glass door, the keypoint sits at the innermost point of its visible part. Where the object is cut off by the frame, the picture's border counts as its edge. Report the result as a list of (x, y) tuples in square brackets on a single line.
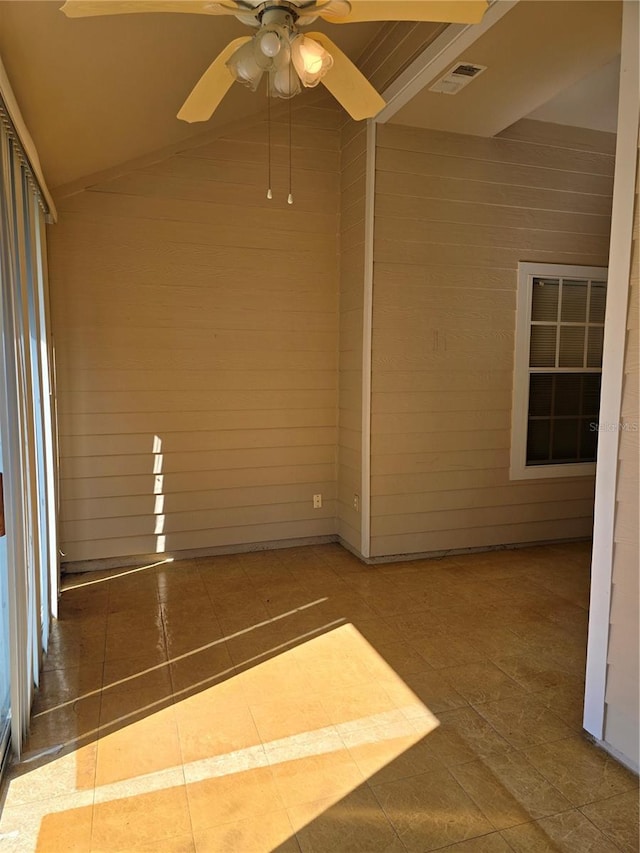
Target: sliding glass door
[(5, 666), (28, 550)]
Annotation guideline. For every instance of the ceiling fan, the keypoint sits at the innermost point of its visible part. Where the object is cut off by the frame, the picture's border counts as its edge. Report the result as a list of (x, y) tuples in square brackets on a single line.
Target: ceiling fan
[(290, 58)]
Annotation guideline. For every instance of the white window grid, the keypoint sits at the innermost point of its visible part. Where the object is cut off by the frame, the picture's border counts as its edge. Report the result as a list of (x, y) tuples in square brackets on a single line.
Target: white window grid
[(527, 274)]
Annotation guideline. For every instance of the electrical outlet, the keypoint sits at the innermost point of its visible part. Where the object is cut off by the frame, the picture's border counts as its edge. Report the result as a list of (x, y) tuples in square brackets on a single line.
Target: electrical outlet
[(317, 501), (356, 503)]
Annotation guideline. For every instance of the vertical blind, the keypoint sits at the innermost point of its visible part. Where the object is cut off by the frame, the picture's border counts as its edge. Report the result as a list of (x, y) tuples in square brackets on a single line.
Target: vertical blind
[(28, 554)]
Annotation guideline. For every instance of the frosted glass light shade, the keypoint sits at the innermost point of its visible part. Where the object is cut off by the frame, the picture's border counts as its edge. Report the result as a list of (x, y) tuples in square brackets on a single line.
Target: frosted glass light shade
[(284, 83), (310, 60), (243, 66)]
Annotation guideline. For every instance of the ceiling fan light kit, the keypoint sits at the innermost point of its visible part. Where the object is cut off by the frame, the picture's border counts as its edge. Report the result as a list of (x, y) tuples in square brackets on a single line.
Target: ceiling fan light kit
[(290, 58)]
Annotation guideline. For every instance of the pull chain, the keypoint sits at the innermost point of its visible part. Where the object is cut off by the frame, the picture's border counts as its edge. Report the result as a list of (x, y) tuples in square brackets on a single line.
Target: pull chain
[(290, 197), (269, 191)]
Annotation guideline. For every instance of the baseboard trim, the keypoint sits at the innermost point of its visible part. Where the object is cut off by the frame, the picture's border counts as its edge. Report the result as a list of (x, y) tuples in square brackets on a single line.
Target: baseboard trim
[(620, 757), (352, 549), (140, 560), (452, 552), (106, 563)]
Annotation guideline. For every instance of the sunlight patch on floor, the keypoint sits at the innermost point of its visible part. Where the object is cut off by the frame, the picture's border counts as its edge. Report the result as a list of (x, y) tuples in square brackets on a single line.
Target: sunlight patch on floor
[(307, 725)]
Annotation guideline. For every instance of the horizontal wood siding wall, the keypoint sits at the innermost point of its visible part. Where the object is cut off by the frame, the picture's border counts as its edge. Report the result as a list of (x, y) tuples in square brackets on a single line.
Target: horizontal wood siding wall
[(352, 216), (454, 215), (196, 326), (623, 712)]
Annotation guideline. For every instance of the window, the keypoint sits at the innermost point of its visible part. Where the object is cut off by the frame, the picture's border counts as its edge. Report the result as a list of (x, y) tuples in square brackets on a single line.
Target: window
[(558, 367)]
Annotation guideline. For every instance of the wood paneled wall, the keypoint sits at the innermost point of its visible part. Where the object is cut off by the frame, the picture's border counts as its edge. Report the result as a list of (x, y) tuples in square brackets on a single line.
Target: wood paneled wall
[(622, 713), (394, 48), (352, 254), (196, 325), (203, 332), (454, 215)]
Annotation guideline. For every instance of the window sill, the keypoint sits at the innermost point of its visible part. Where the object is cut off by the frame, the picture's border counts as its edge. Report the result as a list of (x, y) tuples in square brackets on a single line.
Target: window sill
[(542, 472)]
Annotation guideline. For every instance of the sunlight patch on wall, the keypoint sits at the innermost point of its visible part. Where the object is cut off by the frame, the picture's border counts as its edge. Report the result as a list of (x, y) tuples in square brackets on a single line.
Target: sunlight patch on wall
[(158, 463)]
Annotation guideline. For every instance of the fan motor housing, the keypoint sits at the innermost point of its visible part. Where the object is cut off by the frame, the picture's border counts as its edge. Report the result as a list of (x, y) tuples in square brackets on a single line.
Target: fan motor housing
[(279, 16), (262, 13)]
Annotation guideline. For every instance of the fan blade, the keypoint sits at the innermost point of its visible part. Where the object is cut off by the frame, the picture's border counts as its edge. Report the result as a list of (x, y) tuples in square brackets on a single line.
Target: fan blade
[(212, 86), (449, 11), (91, 8), (347, 84), (309, 10)]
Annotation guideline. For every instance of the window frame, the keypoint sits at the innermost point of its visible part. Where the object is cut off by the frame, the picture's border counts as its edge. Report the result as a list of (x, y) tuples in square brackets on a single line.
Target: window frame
[(519, 470)]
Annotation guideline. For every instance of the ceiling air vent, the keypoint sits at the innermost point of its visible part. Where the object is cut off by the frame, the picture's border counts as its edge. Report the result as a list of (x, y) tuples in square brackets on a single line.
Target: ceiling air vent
[(457, 78)]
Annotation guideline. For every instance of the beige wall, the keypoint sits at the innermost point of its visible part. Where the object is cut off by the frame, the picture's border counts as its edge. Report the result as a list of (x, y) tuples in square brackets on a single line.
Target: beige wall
[(623, 712), (454, 215), (195, 325), (187, 307), (352, 258)]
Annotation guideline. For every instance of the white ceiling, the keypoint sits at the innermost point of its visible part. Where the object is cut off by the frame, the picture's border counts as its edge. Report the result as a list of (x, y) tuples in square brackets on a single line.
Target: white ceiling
[(591, 102), (536, 51)]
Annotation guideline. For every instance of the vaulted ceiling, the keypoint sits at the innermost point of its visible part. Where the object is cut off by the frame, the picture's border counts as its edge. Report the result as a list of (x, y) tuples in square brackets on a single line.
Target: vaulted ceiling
[(99, 92)]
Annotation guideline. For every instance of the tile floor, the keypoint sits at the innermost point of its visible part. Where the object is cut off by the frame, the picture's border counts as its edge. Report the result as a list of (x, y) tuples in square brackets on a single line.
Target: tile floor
[(298, 700)]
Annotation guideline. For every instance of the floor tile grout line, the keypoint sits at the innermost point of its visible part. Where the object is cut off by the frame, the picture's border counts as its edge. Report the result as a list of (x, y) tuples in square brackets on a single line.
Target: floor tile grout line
[(186, 790), (606, 834), (440, 670)]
